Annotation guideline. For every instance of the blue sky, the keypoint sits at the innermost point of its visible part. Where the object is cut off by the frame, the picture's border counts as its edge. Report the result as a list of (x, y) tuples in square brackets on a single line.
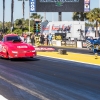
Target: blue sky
[(18, 11)]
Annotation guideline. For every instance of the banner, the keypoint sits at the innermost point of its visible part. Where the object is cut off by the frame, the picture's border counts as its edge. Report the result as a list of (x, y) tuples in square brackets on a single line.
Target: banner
[(71, 44), (84, 45), (60, 27), (60, 36), (46, 28), (86, 5), (32, 5)]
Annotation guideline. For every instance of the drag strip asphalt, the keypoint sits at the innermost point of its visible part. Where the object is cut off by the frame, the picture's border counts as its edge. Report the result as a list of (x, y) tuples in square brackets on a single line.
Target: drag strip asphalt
[(45, 78)]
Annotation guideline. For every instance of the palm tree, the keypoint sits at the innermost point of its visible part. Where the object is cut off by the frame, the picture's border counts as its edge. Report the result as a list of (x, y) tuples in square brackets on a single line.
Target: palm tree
[(23, 6), (18, 23), (94, 16), (36, 16), (3, 15), (8, 25), (79, 16)]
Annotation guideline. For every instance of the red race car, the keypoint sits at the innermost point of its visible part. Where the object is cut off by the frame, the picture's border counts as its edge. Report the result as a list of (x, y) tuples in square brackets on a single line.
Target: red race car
[(12, 46)]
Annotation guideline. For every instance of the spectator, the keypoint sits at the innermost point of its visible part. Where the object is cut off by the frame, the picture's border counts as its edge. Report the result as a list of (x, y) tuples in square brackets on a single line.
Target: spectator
[(50, 39), (32, 39), (1, 36), (22, 38), (28, 39), (47, 39), (42, 39), (25, 37)]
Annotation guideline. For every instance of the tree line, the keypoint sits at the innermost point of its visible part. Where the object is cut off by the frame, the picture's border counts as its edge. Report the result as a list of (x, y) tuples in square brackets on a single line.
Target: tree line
[(21, 25), (92, 18)]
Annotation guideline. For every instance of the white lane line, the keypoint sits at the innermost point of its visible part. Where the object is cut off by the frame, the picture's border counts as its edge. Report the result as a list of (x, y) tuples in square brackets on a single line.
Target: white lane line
[(71, 60), (2, 98), (25, 89)]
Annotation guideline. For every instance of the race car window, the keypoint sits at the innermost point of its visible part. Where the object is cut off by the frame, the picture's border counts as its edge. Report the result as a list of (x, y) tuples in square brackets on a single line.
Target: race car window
[(11, 38)]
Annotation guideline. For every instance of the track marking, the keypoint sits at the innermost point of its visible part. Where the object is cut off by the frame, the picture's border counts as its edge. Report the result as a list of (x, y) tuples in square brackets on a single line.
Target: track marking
[(25, 89), (3, 98)]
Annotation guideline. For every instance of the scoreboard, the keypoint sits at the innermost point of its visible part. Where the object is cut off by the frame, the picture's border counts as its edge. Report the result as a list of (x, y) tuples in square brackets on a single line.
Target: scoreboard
[(59, 5)]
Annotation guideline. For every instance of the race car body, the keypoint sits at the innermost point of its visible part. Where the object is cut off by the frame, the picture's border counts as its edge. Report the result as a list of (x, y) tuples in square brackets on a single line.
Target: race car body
[(12, 46)]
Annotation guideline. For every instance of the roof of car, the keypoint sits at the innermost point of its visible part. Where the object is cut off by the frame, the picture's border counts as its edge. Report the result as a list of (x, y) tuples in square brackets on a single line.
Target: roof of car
[(11, 35)]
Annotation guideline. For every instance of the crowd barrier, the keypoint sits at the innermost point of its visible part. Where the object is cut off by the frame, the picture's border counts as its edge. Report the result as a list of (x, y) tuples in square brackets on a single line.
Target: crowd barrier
[(59, 40), (65, 43)]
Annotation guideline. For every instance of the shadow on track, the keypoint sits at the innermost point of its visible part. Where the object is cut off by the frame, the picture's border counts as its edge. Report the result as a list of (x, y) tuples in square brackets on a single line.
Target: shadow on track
[(22, 59)]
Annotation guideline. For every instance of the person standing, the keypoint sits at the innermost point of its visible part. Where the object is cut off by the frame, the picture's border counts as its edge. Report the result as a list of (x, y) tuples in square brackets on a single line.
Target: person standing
[(22, 38), (25, 37), (28, 39), (32, 39), (42, 39), (50, 39), (1, 36)]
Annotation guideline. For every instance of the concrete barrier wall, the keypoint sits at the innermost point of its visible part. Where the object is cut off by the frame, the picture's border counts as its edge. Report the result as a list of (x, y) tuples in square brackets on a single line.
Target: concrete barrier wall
[(76, 44)]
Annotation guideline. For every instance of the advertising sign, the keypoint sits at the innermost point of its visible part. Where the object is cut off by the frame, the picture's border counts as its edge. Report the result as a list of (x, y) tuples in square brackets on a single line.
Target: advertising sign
[(68, 27), (60, 36), (44, 49), (70, 43), (63, 43), (84, 44), (59, 5), (32, 5), (86, 5)]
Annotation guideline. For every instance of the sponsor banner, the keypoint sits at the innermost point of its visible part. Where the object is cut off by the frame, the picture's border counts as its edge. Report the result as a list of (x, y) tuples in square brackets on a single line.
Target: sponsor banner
[(45, 28), (54, 42), (86, 5), (63, 43), (61, 28), (84, 45), (70, 43), (32, 5), (44, 49), (60, 36)]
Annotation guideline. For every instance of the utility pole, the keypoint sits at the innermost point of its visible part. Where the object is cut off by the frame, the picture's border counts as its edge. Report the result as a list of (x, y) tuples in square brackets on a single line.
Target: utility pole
[(44, 16), (12, 11), (23, 5), (3, 15), (59, 16)]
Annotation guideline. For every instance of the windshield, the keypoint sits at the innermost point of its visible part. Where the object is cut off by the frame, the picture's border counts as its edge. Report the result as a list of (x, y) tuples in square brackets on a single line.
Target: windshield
[(11, 38)]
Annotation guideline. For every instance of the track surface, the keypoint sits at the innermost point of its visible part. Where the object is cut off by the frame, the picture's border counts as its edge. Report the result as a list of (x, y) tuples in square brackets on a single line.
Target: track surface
[(45, 78)]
